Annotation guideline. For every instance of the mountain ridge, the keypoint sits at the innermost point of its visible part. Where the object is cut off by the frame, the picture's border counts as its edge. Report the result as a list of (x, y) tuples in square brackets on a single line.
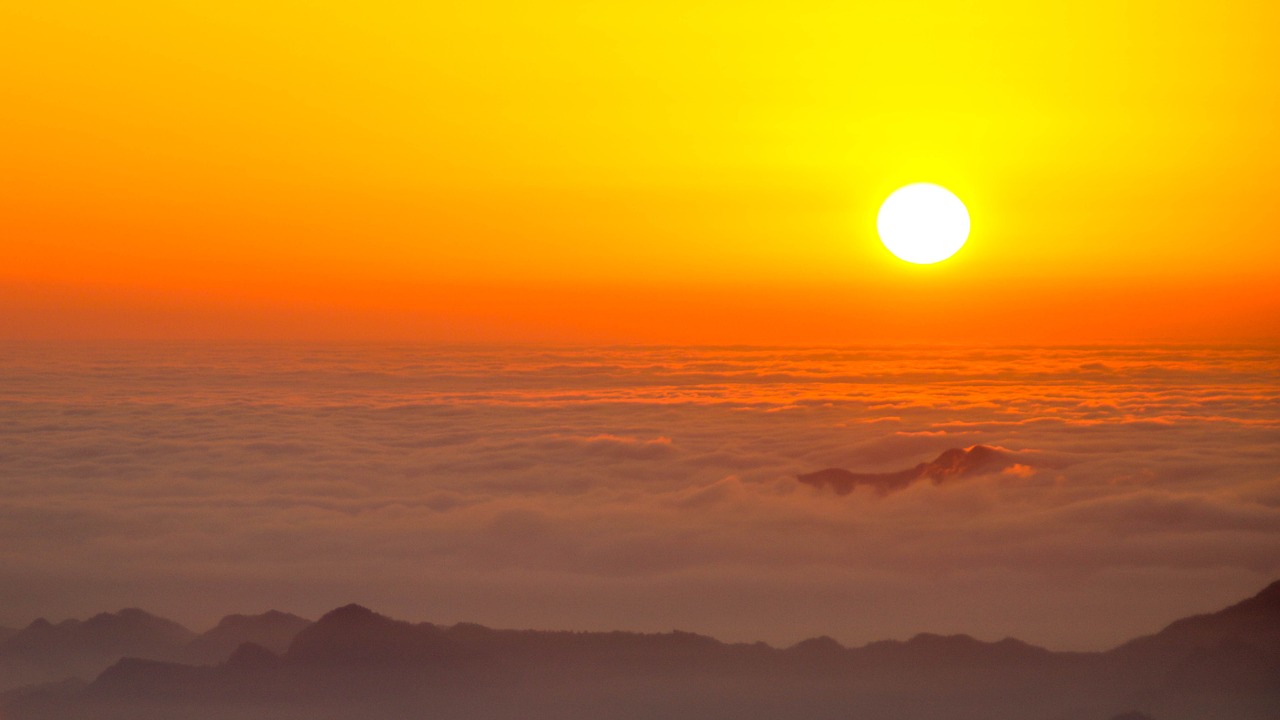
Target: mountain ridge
[(44, 651), (1209, 666)]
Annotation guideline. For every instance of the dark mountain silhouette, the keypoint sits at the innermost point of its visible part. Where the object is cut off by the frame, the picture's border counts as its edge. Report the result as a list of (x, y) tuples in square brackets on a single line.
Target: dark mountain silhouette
[(272, 630), (1254, 622), (818, 647), (354, 662), (960, 649), (357, 635), (952, 464), (1232, 654), (44, 651), (47, 652), (130, 630)]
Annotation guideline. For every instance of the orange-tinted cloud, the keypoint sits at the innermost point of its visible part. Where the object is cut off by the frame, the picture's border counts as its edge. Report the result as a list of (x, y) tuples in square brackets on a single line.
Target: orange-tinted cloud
[(616, 488)]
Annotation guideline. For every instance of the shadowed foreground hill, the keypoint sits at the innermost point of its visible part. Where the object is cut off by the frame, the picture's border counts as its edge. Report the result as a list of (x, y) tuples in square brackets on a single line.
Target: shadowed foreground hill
[(355, 663)]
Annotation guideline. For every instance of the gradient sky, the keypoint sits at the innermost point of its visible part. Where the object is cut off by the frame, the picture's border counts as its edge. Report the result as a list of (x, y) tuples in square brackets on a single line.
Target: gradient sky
[(649, 171)]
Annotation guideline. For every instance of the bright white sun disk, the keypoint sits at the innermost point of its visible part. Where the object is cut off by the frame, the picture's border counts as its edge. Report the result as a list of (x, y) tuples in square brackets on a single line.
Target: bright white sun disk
[(923, 223)]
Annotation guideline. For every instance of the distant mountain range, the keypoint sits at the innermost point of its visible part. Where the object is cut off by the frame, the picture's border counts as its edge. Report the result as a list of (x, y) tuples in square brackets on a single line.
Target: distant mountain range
[(44, 651), (953, 464), (355, 663)]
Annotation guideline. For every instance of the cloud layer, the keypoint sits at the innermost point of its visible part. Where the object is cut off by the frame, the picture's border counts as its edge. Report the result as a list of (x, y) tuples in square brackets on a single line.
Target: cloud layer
[(641, 489)]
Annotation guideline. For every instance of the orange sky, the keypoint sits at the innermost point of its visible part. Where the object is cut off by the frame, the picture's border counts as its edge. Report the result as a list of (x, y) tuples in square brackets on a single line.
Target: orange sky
[(650, 171)]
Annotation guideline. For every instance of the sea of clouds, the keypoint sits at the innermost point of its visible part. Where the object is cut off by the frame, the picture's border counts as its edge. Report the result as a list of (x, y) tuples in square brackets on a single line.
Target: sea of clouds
[(644, 489)]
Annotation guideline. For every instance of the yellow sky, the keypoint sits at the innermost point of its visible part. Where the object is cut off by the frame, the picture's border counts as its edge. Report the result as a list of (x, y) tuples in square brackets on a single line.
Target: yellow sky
[(642, 171)]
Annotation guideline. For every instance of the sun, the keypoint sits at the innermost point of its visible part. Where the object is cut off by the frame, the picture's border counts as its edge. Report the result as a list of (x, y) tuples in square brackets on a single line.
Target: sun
[(923, 223)]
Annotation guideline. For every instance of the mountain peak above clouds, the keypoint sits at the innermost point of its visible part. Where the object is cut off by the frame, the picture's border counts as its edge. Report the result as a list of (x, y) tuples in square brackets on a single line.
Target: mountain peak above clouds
[(952, 464)]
